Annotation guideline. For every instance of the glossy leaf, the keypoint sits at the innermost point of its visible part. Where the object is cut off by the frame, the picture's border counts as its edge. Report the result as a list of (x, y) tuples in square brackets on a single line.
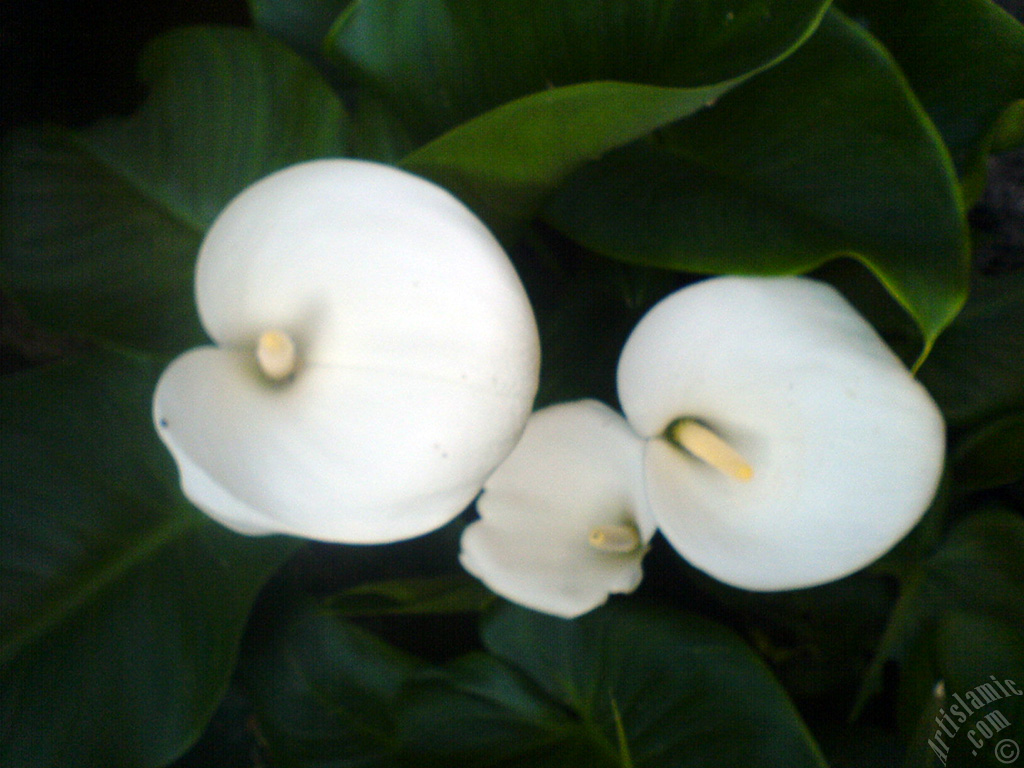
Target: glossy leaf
[(850, 166), (123, 606), (523, 108), (503, 163), (621, 686), (324, 690), (964, 59), (101, 226), (442, 62)]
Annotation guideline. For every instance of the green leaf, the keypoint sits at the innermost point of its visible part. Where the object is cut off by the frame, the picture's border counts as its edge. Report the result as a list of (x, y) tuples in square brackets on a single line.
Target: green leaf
[(849, 166), (303, 24), (101, 226), (977, 656), (324, 690), (479, 711), (458, 593), (622, 686), (584, 329), (993, 454), (964, 59), (977, 367), (442, 62), (122, 605), (528, 92), (505, 162), (975, 572)]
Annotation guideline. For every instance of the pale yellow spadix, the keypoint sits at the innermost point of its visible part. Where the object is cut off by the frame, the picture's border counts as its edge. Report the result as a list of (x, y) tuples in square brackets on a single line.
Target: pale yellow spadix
[(707, 446), (563, 521), (781, 384), (276, 355), (621, 539)]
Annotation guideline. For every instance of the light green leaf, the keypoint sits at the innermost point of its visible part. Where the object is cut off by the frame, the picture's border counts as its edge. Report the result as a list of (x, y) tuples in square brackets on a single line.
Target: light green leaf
[(505, 162), (423, 595), (101, 226), (122, 605), (514, 96), (827, 154)]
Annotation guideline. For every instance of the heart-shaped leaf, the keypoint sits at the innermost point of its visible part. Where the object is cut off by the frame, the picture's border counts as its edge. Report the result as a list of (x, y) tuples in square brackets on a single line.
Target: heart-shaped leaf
[(965, 61), (324, 690), (849, 166), (442, 62), (514, 96), (976, 572), (621, 686), (122, 605)]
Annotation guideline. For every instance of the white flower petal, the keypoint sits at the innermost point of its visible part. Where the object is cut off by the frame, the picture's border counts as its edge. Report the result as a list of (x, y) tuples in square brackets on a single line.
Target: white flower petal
[(329, 456), (847, 448), (578, 466), (369, 267), (403, 344)]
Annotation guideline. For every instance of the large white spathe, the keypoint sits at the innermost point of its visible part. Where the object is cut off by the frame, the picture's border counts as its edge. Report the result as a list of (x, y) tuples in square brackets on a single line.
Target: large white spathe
[(563, 522), (844, 446), (375, 358)]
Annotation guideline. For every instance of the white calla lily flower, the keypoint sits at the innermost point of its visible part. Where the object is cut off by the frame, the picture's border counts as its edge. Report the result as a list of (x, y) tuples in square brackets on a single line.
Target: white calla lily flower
[(787, 445), (563, 522), (376, 357)]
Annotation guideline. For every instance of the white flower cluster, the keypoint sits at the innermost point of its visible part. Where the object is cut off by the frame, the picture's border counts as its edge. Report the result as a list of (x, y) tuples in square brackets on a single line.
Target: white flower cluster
[(769, 433), (376, 358)]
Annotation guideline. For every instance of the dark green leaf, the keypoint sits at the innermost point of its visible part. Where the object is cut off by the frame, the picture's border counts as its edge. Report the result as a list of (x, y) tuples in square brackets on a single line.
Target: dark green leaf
[(976, 571), (964, 59), (101, 226), (981, 661), (324, 690), (437, 594), (442, 62), (1009, 131), (977, 367), (480, 712), (622, 686), (122, 605), (584, 331), (824, 155), (530, 92), (303, 24), (505, 162), (993, 454)]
